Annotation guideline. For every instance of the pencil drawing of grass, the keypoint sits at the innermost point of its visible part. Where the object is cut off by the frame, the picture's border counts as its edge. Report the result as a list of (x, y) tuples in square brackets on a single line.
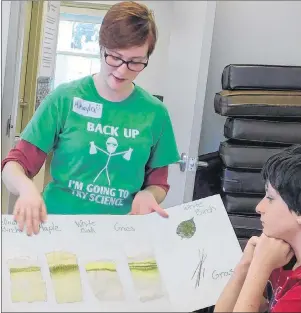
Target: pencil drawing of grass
[(200, 270)]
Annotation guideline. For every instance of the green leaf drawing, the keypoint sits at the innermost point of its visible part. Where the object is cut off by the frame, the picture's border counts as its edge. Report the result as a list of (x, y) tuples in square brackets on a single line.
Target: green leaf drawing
[(186, 229)]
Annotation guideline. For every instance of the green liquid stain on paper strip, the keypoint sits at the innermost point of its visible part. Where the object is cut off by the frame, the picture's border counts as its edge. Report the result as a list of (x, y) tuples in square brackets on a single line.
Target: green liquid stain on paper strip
[(104, 281), (144, 267), (27, 283), (65, 275), (146, 278)]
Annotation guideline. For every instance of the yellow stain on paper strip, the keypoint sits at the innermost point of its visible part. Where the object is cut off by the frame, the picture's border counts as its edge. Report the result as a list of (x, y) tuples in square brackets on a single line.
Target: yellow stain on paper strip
[(65, 276), (27, 283), (104, 280)]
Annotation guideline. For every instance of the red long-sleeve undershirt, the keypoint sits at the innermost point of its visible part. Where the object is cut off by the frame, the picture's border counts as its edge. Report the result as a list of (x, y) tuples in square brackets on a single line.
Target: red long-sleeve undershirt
[(31, 158)]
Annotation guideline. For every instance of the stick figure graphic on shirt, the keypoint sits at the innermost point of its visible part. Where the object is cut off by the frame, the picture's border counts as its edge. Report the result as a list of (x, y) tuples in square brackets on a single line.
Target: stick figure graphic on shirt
[(111, 145)]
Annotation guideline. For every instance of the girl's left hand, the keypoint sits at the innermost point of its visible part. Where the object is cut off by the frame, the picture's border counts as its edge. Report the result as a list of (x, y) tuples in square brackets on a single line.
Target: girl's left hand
[(145, 203)]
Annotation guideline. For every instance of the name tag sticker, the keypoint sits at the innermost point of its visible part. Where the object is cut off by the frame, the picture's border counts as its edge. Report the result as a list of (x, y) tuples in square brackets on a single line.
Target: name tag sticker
[(87, 108)]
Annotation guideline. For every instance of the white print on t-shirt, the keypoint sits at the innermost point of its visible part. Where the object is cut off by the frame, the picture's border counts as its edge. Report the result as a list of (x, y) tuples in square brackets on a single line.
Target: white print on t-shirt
[(111, 130), (111, 145), (87, 108), (99, 194)]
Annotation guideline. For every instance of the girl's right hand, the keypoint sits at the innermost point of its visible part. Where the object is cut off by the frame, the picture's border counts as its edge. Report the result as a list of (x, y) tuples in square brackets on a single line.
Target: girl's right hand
[(30, 209)]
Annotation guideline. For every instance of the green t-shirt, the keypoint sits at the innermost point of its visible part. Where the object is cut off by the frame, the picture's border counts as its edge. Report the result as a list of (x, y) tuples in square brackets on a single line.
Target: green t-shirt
[(100, 148)]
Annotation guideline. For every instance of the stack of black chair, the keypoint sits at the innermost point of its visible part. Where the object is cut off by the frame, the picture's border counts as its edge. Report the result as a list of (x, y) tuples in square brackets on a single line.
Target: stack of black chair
[(262, 104)]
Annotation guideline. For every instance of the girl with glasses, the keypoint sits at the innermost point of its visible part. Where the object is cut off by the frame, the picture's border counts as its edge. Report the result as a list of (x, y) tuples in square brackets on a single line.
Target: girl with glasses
[(111, 140)]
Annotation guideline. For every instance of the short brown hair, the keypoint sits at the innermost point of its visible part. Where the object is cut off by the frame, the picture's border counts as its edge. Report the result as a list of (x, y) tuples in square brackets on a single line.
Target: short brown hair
[(128, 24)]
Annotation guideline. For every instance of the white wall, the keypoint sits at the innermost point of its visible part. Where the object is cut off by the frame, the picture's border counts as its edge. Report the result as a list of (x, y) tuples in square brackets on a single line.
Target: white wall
[(248, 32), (154, 77)]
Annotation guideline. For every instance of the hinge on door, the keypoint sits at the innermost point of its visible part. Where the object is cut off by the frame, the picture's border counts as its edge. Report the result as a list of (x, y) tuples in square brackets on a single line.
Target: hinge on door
[(22, 103), (9, 126)]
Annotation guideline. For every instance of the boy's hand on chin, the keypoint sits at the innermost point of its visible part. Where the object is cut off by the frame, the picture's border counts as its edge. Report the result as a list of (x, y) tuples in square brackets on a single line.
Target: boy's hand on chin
[(271, 253), (247, 256)]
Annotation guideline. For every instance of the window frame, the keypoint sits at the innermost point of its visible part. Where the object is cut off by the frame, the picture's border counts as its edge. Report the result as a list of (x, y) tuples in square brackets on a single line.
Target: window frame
[(77, 9), (87, 13)]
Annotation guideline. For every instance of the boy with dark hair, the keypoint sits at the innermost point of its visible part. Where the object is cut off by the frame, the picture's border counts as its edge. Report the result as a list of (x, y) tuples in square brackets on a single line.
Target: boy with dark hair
[(264, 258)]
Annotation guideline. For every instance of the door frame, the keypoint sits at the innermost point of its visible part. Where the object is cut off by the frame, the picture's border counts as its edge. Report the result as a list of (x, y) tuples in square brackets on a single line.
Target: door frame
[(20, 74), (31, 62), (200, 96), (12, 74), (11, 83)]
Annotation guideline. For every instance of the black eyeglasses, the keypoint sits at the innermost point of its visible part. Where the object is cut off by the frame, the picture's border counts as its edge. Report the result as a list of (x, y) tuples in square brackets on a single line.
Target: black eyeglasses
[(132, 65)]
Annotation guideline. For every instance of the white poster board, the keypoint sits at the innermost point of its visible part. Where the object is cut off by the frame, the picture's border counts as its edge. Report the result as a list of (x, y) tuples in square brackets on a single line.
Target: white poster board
[(106, 263)]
